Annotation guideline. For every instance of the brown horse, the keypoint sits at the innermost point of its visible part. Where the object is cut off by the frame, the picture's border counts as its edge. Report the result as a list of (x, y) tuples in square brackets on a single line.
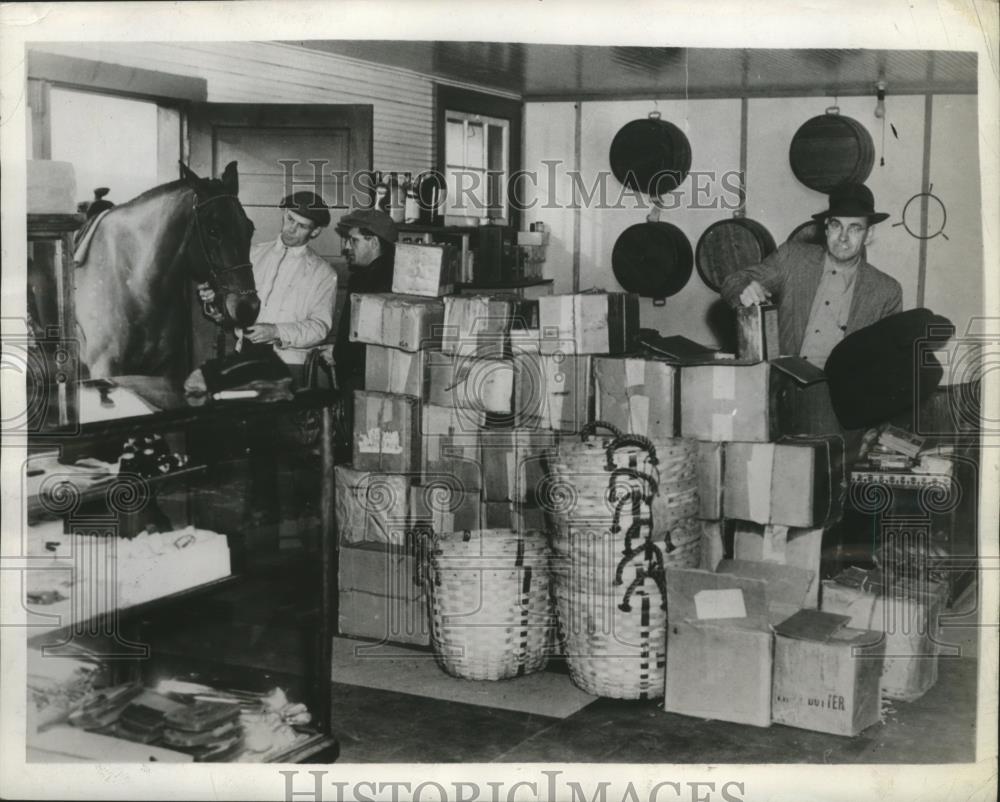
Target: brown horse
[(132, 302)]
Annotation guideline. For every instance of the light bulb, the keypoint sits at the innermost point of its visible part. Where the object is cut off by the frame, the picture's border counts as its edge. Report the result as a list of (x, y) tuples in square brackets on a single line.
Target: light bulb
[(880, 100)]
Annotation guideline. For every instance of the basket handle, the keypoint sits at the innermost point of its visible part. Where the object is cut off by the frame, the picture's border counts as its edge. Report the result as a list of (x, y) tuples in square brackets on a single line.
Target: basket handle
[(636, 497), (631, 440), (592, 427), (640, 576), (632, 473)]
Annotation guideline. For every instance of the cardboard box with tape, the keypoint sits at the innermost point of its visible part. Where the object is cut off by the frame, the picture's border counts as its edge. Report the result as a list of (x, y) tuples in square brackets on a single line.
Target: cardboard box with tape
[(798, 481), (781, 544), (479, 325), (372, 507), (408, 322), (386, 432), (454, 380), (450, 446), (711, 456), (513, 463), (392, 370), (429, 270), (636, 395), (441, 506), (552, 392), (728, 401), (589, 323)]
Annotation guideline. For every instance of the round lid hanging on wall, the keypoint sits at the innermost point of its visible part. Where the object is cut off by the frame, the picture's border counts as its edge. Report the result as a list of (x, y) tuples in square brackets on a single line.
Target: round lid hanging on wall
[(651, 156), (730, 245), (652, 259), (830, 150)]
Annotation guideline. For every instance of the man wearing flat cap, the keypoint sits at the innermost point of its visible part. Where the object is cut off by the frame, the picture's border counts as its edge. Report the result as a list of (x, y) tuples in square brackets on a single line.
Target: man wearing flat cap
[(822, 292), (369, 246), (296, 286)]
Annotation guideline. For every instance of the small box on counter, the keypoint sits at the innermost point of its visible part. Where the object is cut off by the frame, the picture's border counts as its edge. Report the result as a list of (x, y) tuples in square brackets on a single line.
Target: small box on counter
[(409, 322), (909, 617), (429, 270), (372, 507), (821, 683), (392, 370), (709, 472), (473, 383), (386, 432), (451, 449), (589, 323), (781, 544), (795, 482), (478, 325), (636, 395), (757, 333), (513, 463), (442, 507), (727, 401), (552, 392), (382, 593)]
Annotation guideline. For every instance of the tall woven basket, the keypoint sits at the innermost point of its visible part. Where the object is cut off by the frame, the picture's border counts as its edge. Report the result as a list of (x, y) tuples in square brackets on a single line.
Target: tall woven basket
[(491, 608), (622, 509)]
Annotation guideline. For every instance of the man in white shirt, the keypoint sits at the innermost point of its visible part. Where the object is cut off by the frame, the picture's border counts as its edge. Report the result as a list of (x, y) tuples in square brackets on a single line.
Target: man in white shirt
[(296, 286)]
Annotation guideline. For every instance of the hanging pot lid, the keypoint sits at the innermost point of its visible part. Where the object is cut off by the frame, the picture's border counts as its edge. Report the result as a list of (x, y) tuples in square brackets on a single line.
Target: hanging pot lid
[(652, 259), (650, 155)]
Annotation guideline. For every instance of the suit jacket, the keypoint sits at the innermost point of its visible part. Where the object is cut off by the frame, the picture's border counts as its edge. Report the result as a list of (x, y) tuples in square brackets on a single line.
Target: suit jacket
[(792, 275)]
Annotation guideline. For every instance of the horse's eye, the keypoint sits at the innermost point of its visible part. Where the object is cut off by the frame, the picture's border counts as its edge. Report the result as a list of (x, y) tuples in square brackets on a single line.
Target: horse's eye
[(213, 232)]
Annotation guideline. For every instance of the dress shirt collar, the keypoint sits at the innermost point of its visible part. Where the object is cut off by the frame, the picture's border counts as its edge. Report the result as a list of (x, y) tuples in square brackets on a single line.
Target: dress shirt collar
[(298, 251)]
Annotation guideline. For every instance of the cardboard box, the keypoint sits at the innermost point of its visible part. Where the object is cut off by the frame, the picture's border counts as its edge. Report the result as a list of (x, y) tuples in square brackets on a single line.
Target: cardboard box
[(712, 546), (636, 395), (709, 468), (589, 323), (519, 516), (372, 507), (719, 647), (821, 683), (478, 325), (782, 544), (726, 401), (383, 593), (795, 482), (552, 392), (386, 432), (786, 587), (392, 370), (440, 507), (408, 322), (905, 620), (513, 463), (420, 269), (451, 451), (757, 333), (473, 383)]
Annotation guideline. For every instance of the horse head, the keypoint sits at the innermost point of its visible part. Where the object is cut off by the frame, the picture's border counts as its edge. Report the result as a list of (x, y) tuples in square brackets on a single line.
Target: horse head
[(220, 244)]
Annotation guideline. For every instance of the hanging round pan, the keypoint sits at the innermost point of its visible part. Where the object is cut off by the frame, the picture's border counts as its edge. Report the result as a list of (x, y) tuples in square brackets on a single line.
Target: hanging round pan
[(651, 155), (830, 150), (730, 245), (652, 259)]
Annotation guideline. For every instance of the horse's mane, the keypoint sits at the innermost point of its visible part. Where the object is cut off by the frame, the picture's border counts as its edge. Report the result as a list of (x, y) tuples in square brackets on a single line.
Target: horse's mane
[(213, 184)]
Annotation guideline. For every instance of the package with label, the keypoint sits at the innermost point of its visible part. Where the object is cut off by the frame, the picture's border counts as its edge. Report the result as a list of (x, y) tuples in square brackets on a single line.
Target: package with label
[(786, 587), (798, 481), (826, 678), (455, 380), (451, 450), (409, 322), (552, 391), (383, 593), (589, 323), (908, 615), (727, 401), (781, 544), (712, 545), (372, 507), (392, 370), (757, 333), (442, 507), (517, 515), (514, 463), (719, 645), (386, 432), (709, 469), (429, 270), (478, 325), (636, 395)]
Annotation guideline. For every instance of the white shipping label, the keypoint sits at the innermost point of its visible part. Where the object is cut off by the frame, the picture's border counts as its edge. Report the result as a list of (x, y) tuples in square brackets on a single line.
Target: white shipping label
[(635, 372), (724, 603), (759, 472), (724, 383)]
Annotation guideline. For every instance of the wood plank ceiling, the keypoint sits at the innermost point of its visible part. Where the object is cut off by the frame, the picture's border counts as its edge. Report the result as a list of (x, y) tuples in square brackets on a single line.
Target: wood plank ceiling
[(580, 72)]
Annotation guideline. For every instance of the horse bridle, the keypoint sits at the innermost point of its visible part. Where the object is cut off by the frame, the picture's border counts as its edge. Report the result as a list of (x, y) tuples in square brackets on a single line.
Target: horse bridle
[(218, 270)]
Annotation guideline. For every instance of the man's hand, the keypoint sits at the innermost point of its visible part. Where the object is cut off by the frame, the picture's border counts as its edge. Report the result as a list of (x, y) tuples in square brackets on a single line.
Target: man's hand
[(261, 333), (754, 293)]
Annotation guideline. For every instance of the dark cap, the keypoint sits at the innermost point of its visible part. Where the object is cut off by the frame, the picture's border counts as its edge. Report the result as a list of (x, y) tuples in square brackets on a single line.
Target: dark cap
[(309, 205), (378, 222), (852, 200)]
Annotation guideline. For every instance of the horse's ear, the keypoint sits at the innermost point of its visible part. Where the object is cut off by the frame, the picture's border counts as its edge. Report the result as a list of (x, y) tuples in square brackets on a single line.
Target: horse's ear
[(188, 174), (231, 179)]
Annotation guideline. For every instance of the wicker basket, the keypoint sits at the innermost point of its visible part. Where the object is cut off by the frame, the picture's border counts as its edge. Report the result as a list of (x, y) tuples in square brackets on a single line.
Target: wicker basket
[(491, 609)]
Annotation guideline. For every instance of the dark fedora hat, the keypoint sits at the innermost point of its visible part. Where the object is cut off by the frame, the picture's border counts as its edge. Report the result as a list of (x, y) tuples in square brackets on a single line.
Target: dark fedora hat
[(852, 200), (309, 205)]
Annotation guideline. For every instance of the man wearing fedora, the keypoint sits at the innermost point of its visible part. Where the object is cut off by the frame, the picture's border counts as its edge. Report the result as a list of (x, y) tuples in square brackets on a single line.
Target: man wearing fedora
[(822, 292), (297, 287)]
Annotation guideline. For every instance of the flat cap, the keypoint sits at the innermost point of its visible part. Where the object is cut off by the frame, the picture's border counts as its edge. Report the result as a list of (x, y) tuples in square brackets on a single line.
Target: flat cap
[(309, 205), (376, 221)]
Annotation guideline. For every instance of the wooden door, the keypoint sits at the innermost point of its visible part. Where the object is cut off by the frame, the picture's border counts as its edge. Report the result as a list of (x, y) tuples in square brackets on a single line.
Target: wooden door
[(282, 148)]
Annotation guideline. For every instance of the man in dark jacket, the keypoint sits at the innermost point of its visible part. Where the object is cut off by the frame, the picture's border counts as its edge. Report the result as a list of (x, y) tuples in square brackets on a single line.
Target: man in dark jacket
[(822, 292)]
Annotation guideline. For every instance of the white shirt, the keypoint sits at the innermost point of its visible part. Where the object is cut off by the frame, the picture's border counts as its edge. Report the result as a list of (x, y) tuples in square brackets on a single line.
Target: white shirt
[(297, 290), (830, 310)]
